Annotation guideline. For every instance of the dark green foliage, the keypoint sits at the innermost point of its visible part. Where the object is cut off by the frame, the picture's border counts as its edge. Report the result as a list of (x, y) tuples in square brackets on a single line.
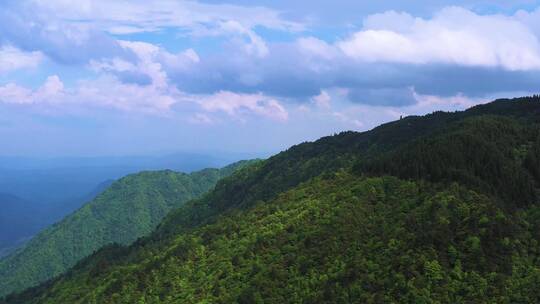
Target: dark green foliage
[(342, 239), (532, 159), (324, 223), (492, 154), (129, 209)]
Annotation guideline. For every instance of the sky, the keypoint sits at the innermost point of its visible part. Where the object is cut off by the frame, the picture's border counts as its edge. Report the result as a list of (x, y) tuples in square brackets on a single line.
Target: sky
[(117, 77)]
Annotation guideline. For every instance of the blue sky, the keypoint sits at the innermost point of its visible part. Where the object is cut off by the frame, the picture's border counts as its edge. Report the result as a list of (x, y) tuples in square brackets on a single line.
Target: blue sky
[(90, 78)]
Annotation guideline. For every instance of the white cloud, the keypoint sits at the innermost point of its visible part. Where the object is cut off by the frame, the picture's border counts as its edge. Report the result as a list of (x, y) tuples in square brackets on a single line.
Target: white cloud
[(255, 44), (453, 36), (52, 88), (150, 63), (312, 46), (530, 19), (322, 100), (13, 93), (155, 96), (12, 59), (243, 36), (105, 91), (147, 63), (238, 105), (124, 17), (57, 27), (51, 91)]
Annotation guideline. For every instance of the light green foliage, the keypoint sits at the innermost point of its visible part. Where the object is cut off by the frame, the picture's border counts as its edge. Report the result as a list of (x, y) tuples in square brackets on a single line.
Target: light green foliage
[(131, 208), (341, 239)]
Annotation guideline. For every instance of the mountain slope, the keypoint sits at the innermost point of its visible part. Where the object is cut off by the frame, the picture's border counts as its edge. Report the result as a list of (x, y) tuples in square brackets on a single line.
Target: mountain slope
[(128, 209), (322, 222), (341, 239)]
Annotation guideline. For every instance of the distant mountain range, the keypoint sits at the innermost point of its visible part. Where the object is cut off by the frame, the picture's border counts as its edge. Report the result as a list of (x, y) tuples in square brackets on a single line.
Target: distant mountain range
[(54, 180)]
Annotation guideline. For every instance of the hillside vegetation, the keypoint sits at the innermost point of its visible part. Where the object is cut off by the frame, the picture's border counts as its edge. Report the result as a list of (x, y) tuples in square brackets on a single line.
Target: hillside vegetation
[(436, 209), (130, 208)]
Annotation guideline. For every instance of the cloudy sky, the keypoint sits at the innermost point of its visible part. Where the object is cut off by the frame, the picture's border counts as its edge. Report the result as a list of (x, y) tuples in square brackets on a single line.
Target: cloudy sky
[(118, 77)]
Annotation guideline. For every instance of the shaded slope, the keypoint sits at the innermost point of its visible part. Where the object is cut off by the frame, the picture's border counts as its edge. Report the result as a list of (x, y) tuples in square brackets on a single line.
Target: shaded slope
[(492, 154), (128, 209)]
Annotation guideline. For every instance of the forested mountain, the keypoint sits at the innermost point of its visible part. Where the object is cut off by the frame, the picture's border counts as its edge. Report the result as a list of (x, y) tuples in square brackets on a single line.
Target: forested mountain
[(442, 208), (130, 208)]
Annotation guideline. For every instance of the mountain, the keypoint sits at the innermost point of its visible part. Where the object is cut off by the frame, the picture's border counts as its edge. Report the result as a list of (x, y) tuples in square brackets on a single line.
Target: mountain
[(130, 208), (442, 208)]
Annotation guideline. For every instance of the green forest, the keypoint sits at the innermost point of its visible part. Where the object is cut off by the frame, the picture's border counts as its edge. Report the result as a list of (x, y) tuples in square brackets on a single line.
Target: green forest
[(130, 208), (442, 208)]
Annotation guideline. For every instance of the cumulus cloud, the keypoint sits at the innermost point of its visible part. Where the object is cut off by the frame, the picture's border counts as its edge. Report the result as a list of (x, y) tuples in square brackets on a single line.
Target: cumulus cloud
[(52, 91), (108, 91), (13, 93), (66, 43), (456, 51), (317, 48), (12, 59), (255, 44), (59, 27), (105, 91), (148, 66), (238, 105), (453, 36), (143, 85)]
